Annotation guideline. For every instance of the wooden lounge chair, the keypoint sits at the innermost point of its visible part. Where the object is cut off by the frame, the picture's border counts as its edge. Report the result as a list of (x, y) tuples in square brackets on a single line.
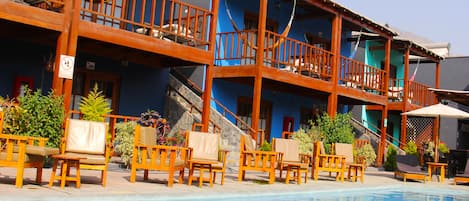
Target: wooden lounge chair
[(87, 139), (253, 160), (147, 155), (327, 163), (289, 158), (357, 167), (464, 177), (205, 147), (24, 152), (408, 167)]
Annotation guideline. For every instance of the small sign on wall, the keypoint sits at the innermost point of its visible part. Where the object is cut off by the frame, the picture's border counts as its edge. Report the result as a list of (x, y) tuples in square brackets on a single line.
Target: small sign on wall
[(66, 66)]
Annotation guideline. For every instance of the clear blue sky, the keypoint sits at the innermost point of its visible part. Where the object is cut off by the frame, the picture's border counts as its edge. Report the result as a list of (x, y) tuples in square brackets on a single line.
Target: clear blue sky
[(439, 21)]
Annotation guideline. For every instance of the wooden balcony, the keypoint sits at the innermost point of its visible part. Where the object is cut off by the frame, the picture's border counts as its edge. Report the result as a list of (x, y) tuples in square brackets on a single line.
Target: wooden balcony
[(170, 30), (298, 61), (418, 96)]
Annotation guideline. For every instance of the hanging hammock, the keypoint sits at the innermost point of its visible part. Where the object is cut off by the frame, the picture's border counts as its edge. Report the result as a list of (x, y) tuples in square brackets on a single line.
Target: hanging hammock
[(355, 48), (282, 36)]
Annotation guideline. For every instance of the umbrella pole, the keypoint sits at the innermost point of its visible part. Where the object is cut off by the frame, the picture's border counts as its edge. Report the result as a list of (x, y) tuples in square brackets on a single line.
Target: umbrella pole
[(437, 139)]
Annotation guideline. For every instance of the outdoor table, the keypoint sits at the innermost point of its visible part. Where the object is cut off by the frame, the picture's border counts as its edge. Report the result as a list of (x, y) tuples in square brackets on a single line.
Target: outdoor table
[(433, 165), (66, 163), (202, 166)]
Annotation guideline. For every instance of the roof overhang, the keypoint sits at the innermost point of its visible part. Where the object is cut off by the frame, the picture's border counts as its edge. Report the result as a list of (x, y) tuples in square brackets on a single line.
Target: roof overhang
[(461, 97)]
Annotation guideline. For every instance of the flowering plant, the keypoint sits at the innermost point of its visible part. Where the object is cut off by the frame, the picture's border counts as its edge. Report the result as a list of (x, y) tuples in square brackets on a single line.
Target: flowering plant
[(153, 119)]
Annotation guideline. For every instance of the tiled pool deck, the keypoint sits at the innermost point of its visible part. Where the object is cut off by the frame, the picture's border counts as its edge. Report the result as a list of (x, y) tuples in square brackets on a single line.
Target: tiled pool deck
[(118, 185)]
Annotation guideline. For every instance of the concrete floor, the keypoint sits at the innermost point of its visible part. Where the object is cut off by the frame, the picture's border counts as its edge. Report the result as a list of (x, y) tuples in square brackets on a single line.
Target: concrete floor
[(118, 185)]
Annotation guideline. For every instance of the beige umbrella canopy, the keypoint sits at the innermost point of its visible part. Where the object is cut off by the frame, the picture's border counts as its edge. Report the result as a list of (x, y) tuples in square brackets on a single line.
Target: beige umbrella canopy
[(438, 110)]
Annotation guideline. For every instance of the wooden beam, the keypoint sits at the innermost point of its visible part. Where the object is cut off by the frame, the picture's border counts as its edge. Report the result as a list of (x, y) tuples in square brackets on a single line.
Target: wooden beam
[(234, 71), (335, 49), (361, 95), (299, 80), (257, 91), (403, 137), (384, 113), (30, 15), (209, 72), (143, 42)]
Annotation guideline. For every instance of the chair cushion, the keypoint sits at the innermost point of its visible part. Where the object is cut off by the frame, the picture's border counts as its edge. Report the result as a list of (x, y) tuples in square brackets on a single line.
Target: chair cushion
[(177, 162), (204, 145), (92, 159), (215, 165), (41, 151), (87, 137), (249, 144), (147, 135), (290, 149), (27, 158), (345, 150)]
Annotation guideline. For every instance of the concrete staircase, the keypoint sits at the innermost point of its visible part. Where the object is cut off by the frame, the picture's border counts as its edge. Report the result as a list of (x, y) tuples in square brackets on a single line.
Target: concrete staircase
[(183, 108)]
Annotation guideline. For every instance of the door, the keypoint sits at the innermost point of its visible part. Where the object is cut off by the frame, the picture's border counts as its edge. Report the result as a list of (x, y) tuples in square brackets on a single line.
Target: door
[(244, 112), (106, 82)]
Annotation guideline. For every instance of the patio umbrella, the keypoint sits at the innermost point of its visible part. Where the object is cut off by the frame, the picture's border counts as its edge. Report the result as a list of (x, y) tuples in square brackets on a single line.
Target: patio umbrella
[(438, 110)]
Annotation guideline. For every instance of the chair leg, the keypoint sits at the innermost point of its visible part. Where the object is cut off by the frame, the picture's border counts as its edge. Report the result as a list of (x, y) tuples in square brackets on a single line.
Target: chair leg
[(240, 174), (39, 174), (181, 176), (170, 178), (145, 175), (19, 177), (133, 173), (103, 177), (222, 177)]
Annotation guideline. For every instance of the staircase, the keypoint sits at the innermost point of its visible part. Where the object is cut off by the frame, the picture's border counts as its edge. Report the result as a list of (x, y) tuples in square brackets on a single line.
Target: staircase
[(183, 107), (362, 132)]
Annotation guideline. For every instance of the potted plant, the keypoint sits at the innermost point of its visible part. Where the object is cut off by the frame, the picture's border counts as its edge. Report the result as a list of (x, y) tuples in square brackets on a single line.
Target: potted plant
[(367, 153), (124, 141), (94, 106), (443, 152), (390, 164), (153, 118)]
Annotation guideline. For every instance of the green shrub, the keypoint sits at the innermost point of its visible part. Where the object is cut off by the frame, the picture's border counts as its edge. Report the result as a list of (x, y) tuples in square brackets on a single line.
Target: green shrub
[(368, 153), (410, 148), (390, 163), (124, 140), (443, 148), (94, 106), (37, 115), (265, 146), (337, 130), (306, 138)]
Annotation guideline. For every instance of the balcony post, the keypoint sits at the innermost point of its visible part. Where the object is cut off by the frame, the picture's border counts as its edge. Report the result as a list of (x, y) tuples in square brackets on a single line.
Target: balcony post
[(66, 45), (437, 78), (335, 49), (257, 90), (384, 113), (209, 69), (403, 137)]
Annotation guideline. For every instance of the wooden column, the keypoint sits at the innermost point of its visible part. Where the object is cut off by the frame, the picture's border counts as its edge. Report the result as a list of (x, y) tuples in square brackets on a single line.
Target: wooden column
[(436, 123), (257, 90), (207, 96), (405, 97), (335, 48), (61, 47), (384, 113)]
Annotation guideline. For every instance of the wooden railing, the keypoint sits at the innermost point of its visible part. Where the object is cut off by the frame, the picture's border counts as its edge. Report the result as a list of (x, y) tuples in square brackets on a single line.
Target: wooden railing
[(356, 74), (418, 92), (283, 53), (173, 20), (420, 95), (225, 111)]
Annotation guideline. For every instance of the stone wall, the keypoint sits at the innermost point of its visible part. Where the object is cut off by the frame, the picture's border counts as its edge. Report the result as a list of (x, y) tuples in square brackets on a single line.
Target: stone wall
[(180, 110)]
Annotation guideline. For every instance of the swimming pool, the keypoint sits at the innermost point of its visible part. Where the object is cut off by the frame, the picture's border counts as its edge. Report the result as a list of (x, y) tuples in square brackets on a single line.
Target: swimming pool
[(387, 193), (401, 193)]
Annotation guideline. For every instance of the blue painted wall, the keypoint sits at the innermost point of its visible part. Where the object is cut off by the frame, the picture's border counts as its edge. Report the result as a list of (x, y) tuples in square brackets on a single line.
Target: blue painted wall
[(283, 104), (23, 59), (374, 58), (141, 87)]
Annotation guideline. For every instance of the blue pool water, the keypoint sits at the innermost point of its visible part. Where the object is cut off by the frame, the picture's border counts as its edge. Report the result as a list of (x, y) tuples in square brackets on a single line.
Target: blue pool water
[(373, 194), (396, 193)]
